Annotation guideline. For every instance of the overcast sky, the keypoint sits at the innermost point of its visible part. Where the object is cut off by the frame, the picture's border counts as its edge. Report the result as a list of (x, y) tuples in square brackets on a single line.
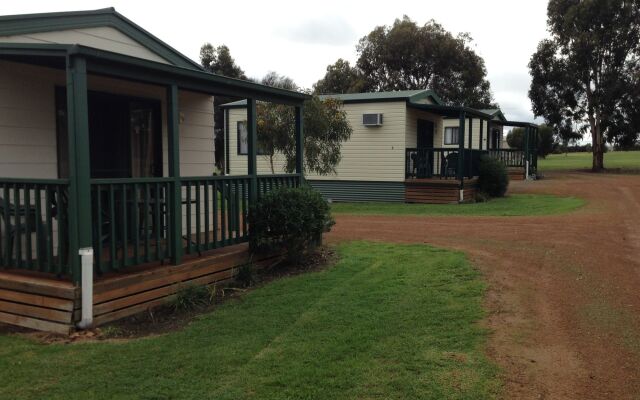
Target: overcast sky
[(300, 38)]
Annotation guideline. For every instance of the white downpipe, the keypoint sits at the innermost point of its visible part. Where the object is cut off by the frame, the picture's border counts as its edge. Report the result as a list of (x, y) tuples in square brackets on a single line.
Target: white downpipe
[(86, 262), (526, 172), (461, 195)]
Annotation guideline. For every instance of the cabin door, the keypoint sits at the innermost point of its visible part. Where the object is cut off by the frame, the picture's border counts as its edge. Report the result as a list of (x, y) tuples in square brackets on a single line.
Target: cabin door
[(424, 156)]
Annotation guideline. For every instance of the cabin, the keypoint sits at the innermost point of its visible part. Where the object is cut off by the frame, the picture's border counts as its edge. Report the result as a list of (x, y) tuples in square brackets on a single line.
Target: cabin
[(406, 146), (108, 200)]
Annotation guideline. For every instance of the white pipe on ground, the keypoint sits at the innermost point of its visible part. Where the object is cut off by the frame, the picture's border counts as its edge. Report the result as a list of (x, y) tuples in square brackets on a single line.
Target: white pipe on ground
[(86, 262)]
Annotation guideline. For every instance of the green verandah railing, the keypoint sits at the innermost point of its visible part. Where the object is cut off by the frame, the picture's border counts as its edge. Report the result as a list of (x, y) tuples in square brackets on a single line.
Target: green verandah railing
[(34, 225), (443, 162), (131, 219), (133, 224)]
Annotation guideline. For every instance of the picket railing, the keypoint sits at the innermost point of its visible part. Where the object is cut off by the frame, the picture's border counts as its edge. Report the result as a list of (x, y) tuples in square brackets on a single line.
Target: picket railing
[(33, 225), (510, 157), (131, 219)]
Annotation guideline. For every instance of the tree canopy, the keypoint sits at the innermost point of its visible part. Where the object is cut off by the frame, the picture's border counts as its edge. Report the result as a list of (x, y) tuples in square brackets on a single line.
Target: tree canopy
[(325, 129), (219, 61), (407, 56), (587, 73)]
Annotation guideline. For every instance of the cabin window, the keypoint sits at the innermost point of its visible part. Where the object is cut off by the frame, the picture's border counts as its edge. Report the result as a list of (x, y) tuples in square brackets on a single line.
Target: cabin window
[(451, 135), (243, 141)]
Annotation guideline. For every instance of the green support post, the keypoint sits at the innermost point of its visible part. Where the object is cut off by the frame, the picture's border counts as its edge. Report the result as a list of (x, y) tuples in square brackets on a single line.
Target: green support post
[(252, 150), (79, 199), (489, 134), (461, 129), (481, 134), (527, 155), (175, 198), (299, 131), (470, 138)]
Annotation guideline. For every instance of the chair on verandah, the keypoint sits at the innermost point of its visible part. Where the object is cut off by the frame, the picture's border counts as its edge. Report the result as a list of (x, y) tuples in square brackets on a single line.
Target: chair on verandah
[(449, 165), (25, 222)]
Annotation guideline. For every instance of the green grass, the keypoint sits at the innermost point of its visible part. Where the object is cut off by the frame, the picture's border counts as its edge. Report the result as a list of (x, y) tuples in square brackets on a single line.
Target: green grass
[(514, 205), (575, 161), (386, 322)]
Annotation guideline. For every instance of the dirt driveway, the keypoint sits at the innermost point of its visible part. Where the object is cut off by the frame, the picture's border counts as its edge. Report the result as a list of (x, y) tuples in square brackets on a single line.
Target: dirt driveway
[(564, 291)]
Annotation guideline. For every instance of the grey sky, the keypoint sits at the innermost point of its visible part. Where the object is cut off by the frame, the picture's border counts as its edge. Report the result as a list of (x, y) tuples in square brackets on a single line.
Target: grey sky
[(300, 38)]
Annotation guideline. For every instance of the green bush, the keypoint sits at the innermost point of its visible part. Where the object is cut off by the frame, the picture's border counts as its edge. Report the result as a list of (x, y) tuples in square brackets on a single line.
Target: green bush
[(289, 220), (191, 297), (493, 180)]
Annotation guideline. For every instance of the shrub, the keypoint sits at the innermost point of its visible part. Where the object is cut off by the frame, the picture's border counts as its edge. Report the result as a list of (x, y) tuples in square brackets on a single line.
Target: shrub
[(191, 297), (245, 276), (493, 179), (289, 220)]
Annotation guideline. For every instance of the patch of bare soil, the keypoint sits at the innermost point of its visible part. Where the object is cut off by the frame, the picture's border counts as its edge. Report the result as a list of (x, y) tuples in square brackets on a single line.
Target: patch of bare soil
[(563, 298)]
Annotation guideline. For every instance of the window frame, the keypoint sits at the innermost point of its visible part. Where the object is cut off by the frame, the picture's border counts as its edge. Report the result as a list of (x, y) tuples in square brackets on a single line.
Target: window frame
[(259, 151), (455, 139)]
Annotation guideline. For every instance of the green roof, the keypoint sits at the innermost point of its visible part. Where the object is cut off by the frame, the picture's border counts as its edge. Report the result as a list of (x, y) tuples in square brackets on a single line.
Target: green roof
[(46, 22), (399, 95), (494, 112)]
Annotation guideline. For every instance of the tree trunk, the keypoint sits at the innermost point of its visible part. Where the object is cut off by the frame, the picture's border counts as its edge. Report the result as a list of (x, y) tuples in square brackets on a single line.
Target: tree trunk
[(597, 148)]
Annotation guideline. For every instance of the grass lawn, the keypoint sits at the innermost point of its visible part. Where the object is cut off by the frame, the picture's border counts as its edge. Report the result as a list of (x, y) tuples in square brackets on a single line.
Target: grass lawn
[(386, 322), (612, 159), (514, 205)]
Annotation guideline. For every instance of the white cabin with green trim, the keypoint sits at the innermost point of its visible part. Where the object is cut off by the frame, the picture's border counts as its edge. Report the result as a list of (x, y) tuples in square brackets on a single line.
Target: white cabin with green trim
[(106, 169), (380, 157)]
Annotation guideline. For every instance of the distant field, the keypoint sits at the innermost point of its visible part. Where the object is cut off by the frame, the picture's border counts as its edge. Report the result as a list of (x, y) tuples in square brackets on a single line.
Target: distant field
[(612, 159)]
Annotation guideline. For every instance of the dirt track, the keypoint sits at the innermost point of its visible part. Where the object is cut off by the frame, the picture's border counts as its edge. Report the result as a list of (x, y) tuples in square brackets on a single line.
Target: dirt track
[(564, 291)]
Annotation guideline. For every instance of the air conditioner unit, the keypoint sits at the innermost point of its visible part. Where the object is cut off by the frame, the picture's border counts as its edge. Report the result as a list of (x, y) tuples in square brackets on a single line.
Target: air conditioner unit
[(372, 119)]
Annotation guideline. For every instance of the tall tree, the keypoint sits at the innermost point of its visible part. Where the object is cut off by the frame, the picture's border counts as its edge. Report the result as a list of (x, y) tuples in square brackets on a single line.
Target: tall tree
[(340, 77), (219, 61), (585, 71), (408, 56), (274, 79)]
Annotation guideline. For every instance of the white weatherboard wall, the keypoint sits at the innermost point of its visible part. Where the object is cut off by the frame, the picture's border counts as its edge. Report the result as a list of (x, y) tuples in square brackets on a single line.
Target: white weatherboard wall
[(104, 38), (371, 154), (453, 122), (28, 122)]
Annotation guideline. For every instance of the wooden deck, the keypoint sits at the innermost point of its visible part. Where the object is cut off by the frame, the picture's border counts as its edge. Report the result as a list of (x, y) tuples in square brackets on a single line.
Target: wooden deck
[(516, 173), (439, 191), (45, 303)]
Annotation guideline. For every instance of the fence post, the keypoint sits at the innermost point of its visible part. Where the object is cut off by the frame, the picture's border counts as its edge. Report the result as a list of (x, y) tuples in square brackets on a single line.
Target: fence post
[(252, 151)]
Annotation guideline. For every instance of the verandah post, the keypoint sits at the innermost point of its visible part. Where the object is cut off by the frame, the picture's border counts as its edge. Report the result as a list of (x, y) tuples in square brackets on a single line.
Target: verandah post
[(481, 134), (460, 169), (299, 132), (527, 156), (79, 199), (175, 198), (470, 153), (252, 150)]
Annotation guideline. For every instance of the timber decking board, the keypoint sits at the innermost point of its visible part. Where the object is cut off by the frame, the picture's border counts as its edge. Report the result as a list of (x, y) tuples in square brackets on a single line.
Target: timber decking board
[(54, 305), (34, 323), (39, 286), (35, 312), (36, 300)]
